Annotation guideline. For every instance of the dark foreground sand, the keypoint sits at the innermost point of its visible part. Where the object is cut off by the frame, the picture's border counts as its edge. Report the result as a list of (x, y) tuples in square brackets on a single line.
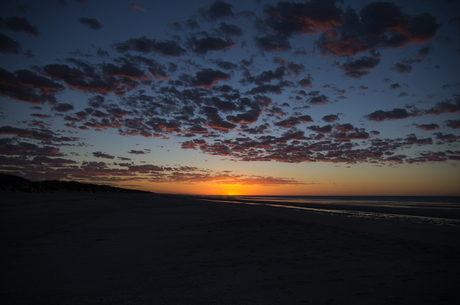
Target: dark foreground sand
[(157, 249)]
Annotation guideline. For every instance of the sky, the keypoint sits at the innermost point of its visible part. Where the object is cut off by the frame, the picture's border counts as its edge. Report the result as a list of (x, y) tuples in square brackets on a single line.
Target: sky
[(233, 97)]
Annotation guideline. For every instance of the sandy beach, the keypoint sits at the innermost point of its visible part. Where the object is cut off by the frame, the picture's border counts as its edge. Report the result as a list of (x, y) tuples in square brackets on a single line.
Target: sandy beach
[(69, 248)]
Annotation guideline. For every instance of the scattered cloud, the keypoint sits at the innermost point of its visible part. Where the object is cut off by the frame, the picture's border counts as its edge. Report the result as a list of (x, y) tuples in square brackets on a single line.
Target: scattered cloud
[(358, 68), (218, 10), (183, 87), (99, 154), (18, 24), (395, 114), (8, 45), (136, 7), (91, 23), (146, 45)]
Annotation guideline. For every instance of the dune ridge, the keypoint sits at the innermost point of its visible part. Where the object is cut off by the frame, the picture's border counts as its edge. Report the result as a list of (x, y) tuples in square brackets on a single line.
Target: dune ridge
[(11, 183)]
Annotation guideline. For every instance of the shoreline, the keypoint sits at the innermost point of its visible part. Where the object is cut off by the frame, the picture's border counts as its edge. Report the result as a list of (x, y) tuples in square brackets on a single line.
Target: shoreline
[(171, 249), (422, 232)]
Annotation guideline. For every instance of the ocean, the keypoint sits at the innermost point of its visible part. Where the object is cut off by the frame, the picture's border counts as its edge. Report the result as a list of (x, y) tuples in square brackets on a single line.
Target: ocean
[(435, 210)]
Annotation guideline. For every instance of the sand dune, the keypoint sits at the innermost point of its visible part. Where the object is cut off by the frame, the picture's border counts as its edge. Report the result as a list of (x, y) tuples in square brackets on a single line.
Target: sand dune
[(155, 249), (11, 183)]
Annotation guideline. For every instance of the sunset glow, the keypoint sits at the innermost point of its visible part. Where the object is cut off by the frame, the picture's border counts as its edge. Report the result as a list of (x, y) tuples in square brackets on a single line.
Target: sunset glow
[(233, 98)]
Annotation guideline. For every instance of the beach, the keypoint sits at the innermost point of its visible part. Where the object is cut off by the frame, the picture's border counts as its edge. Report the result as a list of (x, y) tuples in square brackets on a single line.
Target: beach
[(103, 248)]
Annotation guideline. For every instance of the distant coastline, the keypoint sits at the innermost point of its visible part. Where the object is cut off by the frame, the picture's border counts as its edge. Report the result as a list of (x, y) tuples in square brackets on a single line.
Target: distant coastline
[(11, 183)]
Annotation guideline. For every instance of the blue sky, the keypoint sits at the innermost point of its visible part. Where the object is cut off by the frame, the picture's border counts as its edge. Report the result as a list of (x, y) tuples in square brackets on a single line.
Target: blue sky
[(232, 97)]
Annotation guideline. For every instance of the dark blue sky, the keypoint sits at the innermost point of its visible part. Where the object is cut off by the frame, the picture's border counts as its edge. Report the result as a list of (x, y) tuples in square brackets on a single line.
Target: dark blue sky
[(306, 97)]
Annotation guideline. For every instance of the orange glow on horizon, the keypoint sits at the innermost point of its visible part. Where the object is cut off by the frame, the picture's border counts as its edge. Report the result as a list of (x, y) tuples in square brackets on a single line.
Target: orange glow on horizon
[(358, 189)]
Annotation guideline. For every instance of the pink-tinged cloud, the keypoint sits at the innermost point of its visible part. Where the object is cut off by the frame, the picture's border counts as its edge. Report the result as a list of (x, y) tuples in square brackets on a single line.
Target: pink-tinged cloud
[(99, 154), (136, 7), (208, 77), (294, 121), (378, 25), (288, 18), (395, 114), (445, 107), (427, 127), (136, 152)]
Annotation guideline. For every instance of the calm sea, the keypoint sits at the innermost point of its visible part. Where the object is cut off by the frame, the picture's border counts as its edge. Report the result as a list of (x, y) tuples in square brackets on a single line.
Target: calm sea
[(437, 210)]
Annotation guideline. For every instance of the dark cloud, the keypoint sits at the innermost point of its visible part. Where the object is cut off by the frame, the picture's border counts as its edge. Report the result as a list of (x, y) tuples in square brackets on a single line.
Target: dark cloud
[(28, 149), (401, 94), (215, 121), (132, 67), (261, 129), (218, 10), (318, 99), (424, 51), (378, 25), (43, 135), (270, 43), (225, 64), (77, 79), (161, 125), (8, 45), (453, 123), (102, 53), (358, 68), (125, 70), (192, 24), (92, 23), (395, 114), (21, 132), (268, 76), (18, 24), (445, 107), (209, 77), (345, 128), (294, 68), (306, 82), (413, 139), (402, 68), (427, 127), (54, 161), (99, 154), (395, 86), (331, 118), (353, 134), (289, 18), (323, 130), (145, 45), (294, 121), (266, 89), (26, 86), (207, 44), (136, 152), (96, 101), (44, 85), (41, 116), (230, 30), (249, 117), (449, 138)]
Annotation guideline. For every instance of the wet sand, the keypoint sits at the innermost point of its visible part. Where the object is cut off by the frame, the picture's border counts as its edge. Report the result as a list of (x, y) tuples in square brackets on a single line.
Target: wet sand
[(159, 249)]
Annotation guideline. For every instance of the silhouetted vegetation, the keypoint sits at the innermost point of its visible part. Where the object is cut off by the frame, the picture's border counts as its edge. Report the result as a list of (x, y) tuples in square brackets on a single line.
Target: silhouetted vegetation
[(17, 184)]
